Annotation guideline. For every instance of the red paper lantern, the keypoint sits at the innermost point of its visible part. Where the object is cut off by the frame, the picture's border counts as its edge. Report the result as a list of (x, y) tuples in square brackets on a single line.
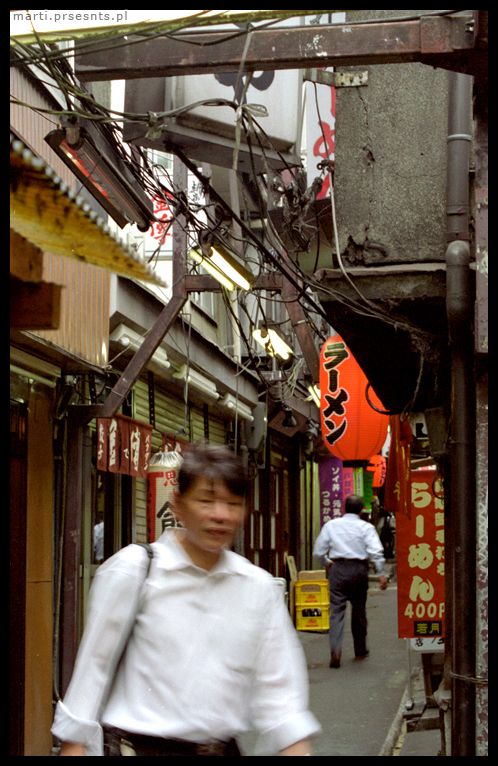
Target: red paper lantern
[(377, 464), (351, 428)]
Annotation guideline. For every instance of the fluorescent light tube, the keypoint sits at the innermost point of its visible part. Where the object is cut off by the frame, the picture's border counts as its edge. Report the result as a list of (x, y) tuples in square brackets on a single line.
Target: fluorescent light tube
[(197, 380), (131, 339), (230, 267), (212, 269), (314, 394), (231, 403)]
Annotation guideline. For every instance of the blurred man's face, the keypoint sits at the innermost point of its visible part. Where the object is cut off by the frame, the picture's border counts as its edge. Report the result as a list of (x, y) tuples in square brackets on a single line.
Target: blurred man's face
[(211, 515)]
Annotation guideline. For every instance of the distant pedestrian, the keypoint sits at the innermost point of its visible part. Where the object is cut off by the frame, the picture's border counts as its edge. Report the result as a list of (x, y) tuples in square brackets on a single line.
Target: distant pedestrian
[(386, 527), (212, 651), (98, 541), (345, 546)]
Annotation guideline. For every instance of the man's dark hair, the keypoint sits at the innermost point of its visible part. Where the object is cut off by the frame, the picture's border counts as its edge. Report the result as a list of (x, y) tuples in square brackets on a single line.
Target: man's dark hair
[(354, 504), (215, 462)]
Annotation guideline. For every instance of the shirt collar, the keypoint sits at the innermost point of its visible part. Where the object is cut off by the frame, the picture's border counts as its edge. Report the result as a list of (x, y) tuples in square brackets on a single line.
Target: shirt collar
[(172, 556)]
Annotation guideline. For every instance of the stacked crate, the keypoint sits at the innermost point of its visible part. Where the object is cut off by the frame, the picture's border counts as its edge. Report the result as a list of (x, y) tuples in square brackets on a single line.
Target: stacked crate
[(312, 603)]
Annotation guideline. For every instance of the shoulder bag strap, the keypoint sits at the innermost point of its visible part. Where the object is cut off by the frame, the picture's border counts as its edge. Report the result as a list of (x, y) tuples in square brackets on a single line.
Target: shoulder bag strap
[(150, 554)]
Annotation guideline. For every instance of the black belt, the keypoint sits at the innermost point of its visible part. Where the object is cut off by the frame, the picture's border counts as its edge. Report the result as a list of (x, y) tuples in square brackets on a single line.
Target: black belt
[(359, 563), (116, 740)]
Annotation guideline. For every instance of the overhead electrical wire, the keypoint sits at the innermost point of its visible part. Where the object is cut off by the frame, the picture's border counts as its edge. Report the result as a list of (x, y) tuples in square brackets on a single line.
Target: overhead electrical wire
[(290, 269)]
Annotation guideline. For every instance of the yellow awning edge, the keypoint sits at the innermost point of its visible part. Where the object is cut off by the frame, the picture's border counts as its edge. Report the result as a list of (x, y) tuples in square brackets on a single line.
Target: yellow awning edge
[(45, 211)]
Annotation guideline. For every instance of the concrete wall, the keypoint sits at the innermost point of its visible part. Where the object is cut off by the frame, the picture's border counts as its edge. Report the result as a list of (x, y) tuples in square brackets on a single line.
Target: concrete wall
[(390, 175)]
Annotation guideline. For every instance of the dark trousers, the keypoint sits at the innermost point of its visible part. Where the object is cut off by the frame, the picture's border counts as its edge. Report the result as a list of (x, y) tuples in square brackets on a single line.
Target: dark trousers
[(348, 581)]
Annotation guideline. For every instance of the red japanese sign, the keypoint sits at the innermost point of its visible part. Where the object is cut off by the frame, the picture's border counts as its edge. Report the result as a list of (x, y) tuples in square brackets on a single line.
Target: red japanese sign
[(420, 559), (123, 446), (163, 214)]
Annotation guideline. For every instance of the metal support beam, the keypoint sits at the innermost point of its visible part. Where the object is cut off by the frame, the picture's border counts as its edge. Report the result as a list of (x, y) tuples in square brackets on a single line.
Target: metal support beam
[(445, 41), (167, 316)]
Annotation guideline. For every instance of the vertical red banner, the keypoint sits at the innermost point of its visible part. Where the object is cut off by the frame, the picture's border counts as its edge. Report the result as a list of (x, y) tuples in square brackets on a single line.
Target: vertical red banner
[(420, 559), (113, 454), (102, 443), (124, 430), (348, 483), (124, 446), (397, 486)]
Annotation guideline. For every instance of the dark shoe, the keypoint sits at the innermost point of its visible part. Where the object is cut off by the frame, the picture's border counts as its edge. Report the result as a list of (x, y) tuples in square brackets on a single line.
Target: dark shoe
[(335, 660), (362, 656)]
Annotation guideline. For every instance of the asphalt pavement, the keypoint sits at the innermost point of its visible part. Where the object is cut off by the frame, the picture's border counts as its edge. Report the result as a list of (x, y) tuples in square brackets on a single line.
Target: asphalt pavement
[(362, 706)]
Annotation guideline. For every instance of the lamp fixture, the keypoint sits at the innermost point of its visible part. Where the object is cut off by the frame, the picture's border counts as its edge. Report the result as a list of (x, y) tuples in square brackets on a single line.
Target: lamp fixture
[(222, 266), (314, 394), (274, 344), (289, 421), (96, 164), (198, 381), (129, 339), (228, 265), (197, 256), (235, 405)]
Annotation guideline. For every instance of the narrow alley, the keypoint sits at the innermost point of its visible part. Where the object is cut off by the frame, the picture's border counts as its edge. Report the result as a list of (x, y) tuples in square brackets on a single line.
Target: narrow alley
[(361, 705)]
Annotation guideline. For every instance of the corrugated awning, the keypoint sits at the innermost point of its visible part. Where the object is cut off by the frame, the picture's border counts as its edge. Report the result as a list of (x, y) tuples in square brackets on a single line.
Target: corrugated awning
[(47, 213)]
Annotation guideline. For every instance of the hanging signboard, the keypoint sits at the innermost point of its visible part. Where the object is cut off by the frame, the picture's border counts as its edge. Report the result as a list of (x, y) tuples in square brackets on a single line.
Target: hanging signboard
[(427, 645), (123, 446), (330, 476), (420, 559)]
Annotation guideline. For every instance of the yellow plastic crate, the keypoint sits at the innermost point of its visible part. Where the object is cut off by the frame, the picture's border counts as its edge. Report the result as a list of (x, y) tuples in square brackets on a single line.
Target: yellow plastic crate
[(309, 592), (313, 618), (312, 574)]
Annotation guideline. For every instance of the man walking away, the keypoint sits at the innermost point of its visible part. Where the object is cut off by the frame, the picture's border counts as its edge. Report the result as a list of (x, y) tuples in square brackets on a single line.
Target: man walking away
[(344, 546)]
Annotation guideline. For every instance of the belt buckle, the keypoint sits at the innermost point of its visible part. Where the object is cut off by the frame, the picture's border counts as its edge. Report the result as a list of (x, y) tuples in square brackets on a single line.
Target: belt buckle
[(210, 748)]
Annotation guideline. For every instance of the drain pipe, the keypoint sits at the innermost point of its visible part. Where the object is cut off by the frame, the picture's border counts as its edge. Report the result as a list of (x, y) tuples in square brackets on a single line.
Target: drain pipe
[(462, 449)]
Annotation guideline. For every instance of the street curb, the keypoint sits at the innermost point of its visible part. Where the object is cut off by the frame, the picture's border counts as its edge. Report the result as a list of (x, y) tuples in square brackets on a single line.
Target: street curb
[(395, 729)]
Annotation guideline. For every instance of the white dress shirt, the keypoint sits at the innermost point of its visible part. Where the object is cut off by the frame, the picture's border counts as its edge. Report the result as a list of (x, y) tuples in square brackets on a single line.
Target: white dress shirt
[(349, 537), (212, 654)]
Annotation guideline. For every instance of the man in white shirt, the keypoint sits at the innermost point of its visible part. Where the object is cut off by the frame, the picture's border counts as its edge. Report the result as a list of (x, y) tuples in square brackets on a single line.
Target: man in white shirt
[(345, 545), (212, 652)]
